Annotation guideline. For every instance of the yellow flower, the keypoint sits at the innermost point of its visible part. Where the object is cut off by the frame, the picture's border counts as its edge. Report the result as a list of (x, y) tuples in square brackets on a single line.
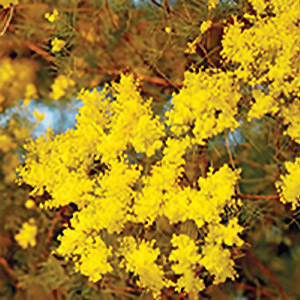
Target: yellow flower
[(94, 259), (140, 259), (6, 143), (39, 116), (205, 26), (119, 186), (212, 4), (57, 44), (168, 29), (186, 258), (52, 17), (10, 163), (291, 118), (205, 93), (259, 5), (263, 104), (218, 262), (60, 86), (27, 234), (288, 185), (29, 204)]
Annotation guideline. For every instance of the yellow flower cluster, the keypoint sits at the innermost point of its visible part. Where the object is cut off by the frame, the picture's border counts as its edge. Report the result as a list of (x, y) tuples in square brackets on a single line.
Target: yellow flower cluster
[(57, 44), (288, 185), (103, 167), (140, 259), (205, 26), (291, 117), (27, 235), (216, 259), (212, 4), (93, 258), (7, 3), (29, 204), (53, 16), (16, 81), (266, 54), (10, 137), (10, 163), (186, 258), (60, 86), (208, 102)]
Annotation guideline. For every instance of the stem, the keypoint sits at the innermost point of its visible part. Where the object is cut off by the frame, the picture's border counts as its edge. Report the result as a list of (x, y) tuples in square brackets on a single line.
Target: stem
[(252, 288), (275, 197), (268, 274)]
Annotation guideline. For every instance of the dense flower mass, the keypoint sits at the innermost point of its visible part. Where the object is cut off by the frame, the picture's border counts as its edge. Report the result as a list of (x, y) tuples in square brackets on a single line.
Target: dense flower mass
[(264, 50), (214, 110), (123, 166), (140, 259), (103, 166), (171, 173), (266, 54), (288, 185)]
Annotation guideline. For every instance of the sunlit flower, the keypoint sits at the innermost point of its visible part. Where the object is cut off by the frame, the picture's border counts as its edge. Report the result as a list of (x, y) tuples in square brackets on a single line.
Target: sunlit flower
[(27, 234)]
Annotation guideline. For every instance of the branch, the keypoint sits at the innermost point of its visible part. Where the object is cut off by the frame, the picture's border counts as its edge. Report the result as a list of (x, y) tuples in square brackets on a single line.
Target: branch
[(7, 20), (154, 80), (7, 268), (252, 288), (116, 25), (32, 46), (269, 275), (275, 197), (52, 227)]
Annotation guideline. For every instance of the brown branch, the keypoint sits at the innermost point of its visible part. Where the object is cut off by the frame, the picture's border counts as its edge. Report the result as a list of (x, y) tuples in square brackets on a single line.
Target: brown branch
[(32, 46), (207, 55), (253, 164), (154, 80), (53, 224), (229, 152), (7, 20), (46, 6), (268, 274), (157, 81), (168, 9), (36, 49), (7, 268), (140, 55), (116, 25), (158, 4), (275, 197), (167, 6), (252, 288)]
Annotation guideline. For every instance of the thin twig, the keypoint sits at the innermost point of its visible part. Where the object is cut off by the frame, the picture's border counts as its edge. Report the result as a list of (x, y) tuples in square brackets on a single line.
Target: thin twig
[(53, 224), (33, 46), (275, 197), (252, 288), (7, 268), (229, 153), (116, 25), (269, 274), (46, 6), (7, 22), (207, 56)]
